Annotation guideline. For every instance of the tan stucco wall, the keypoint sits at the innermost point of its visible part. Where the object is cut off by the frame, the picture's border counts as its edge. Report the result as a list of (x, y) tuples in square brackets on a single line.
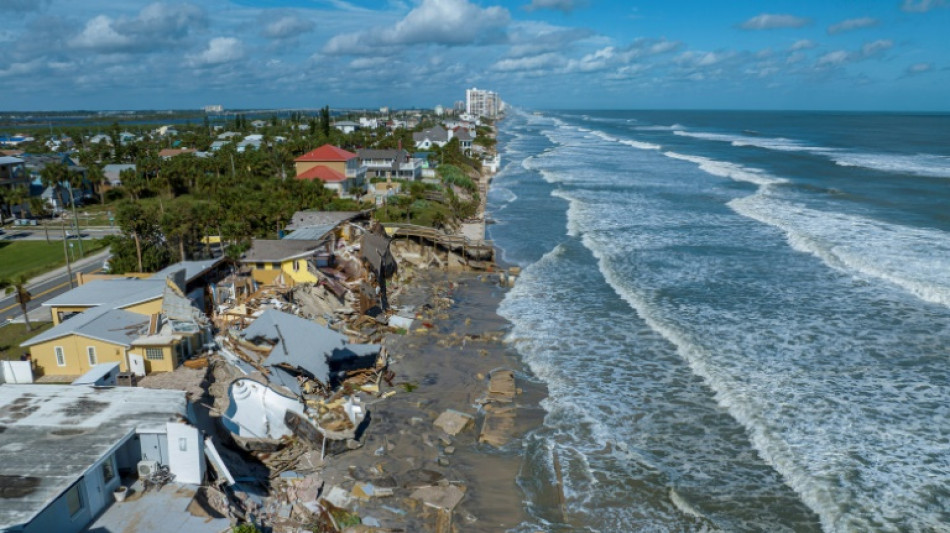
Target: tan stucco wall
[(77, 360), (151, 307), (302, 275)]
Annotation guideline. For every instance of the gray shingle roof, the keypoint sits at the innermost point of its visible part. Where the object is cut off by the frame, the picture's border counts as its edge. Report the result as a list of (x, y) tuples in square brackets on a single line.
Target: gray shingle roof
[(311, 233), (437, 134), (278, 250), (319, 218)]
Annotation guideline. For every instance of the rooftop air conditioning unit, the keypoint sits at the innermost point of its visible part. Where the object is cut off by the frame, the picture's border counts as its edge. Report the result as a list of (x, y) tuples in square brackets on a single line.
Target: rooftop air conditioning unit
[(147, 468)]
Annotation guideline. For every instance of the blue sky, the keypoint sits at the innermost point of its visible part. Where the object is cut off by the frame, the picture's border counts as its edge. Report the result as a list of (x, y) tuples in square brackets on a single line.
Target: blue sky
[(581, 54)]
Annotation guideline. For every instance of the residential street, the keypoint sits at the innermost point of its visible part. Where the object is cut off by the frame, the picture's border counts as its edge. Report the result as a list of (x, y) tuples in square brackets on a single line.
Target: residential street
[(46, 286)]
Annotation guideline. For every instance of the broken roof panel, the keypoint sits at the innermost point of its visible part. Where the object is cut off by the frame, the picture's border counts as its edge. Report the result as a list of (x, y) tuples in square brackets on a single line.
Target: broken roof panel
[(300, 343)]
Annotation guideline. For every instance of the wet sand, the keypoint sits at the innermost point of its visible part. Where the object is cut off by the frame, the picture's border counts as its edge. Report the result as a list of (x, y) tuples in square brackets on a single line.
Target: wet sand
[(446, 366)]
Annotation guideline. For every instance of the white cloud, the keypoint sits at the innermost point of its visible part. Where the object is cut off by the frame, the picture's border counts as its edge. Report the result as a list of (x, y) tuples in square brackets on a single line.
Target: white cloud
[(157, 24), (544, 61), (852, 24), (867, 51), (220, 50), (560, 5), (445, 22), (919, 68), (613, 57), (768, 21), (803, 44), (838, 57), (875, 48), (530, 39), (99, 34), (287, 26), (922, 6)]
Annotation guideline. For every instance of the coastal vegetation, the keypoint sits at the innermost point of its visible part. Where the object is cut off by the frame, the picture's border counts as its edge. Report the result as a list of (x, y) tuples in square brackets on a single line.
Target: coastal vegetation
[(168, 208)]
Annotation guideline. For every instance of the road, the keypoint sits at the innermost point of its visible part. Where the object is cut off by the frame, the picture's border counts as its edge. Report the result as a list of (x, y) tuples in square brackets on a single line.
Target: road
[(42, 292), (36, 233)]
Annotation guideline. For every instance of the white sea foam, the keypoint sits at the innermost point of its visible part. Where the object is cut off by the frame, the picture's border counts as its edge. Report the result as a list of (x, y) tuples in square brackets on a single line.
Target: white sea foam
[(732, 171), (937, 166), (659, 128), (916, 259), (931, 165), (781, 144), (640, 144)]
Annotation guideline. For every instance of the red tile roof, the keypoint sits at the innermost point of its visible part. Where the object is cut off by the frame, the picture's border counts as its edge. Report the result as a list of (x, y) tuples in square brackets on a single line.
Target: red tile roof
[(322, 173), (326, 153)]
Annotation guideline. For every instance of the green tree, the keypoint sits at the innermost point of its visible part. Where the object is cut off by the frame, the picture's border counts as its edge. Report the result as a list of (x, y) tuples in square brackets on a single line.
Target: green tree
[(18, 286), (325, 121)]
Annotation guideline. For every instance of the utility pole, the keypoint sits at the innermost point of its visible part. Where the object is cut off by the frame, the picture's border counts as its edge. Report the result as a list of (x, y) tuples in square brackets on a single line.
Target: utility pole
[(69, 270), (72, 199)]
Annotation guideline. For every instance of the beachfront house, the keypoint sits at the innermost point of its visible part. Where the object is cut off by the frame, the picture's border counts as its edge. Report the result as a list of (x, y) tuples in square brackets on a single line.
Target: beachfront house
[(144, 325), (66, 449), (286, 261), (435, 136), (337, 168), (395, 164)]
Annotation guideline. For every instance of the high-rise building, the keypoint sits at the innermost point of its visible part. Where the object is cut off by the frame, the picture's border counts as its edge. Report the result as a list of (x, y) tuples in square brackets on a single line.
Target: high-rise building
[(482, 103)]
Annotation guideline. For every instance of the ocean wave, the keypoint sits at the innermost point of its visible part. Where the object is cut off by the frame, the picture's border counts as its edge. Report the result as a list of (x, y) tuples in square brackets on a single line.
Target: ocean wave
[(915, 259), (930, 165), (660, 128), (780, 144), (732, 171)]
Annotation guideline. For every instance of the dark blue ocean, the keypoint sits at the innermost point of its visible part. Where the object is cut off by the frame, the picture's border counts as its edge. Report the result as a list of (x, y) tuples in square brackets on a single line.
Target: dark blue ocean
[(743, 318)]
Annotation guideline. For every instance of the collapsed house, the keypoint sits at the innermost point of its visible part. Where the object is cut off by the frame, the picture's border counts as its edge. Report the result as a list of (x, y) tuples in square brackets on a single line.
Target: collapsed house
[(294, 366)]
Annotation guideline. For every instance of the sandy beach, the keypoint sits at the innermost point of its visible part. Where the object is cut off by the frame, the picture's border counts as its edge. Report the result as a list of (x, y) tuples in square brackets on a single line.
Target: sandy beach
[(446, 366)]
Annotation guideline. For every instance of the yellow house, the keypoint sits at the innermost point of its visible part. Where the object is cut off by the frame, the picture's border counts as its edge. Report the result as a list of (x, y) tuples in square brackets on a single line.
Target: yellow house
[(104, 335), (142, 296), (269, 259), (145, 325)]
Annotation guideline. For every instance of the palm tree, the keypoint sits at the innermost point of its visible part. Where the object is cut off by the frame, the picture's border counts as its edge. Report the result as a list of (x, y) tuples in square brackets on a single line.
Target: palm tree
[(53, 175), (131, 218), (38, 209), (18, 286), (98, 179)]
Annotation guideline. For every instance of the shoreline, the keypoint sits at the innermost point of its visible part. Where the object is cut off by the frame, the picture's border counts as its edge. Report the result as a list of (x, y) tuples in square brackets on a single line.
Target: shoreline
[(446, 361), (448, 368)]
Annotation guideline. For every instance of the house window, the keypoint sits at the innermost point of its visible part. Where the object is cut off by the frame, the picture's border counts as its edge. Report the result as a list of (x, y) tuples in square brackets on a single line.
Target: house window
[(259, 266), (60, 356), (296, 266), (91, 352), (108, 470), (74, 500), (154, 354)]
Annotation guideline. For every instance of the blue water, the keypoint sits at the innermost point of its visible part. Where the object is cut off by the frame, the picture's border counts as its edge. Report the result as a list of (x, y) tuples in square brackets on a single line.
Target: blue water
[(742, 318)]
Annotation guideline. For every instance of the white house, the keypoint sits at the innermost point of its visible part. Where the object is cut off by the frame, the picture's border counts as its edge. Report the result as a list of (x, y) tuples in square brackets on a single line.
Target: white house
[(65, 449), (346, 126)]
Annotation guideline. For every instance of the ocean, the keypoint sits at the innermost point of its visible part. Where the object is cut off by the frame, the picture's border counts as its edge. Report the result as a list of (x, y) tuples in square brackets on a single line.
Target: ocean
[(742, 318)]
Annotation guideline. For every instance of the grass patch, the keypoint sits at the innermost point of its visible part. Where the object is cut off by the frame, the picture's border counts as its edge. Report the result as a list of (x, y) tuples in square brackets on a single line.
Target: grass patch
[(12, 335), (30, 258)]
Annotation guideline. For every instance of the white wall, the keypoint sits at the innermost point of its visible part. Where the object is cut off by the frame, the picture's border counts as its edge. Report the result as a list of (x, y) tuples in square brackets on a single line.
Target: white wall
[(185, 453), (16, 372)]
